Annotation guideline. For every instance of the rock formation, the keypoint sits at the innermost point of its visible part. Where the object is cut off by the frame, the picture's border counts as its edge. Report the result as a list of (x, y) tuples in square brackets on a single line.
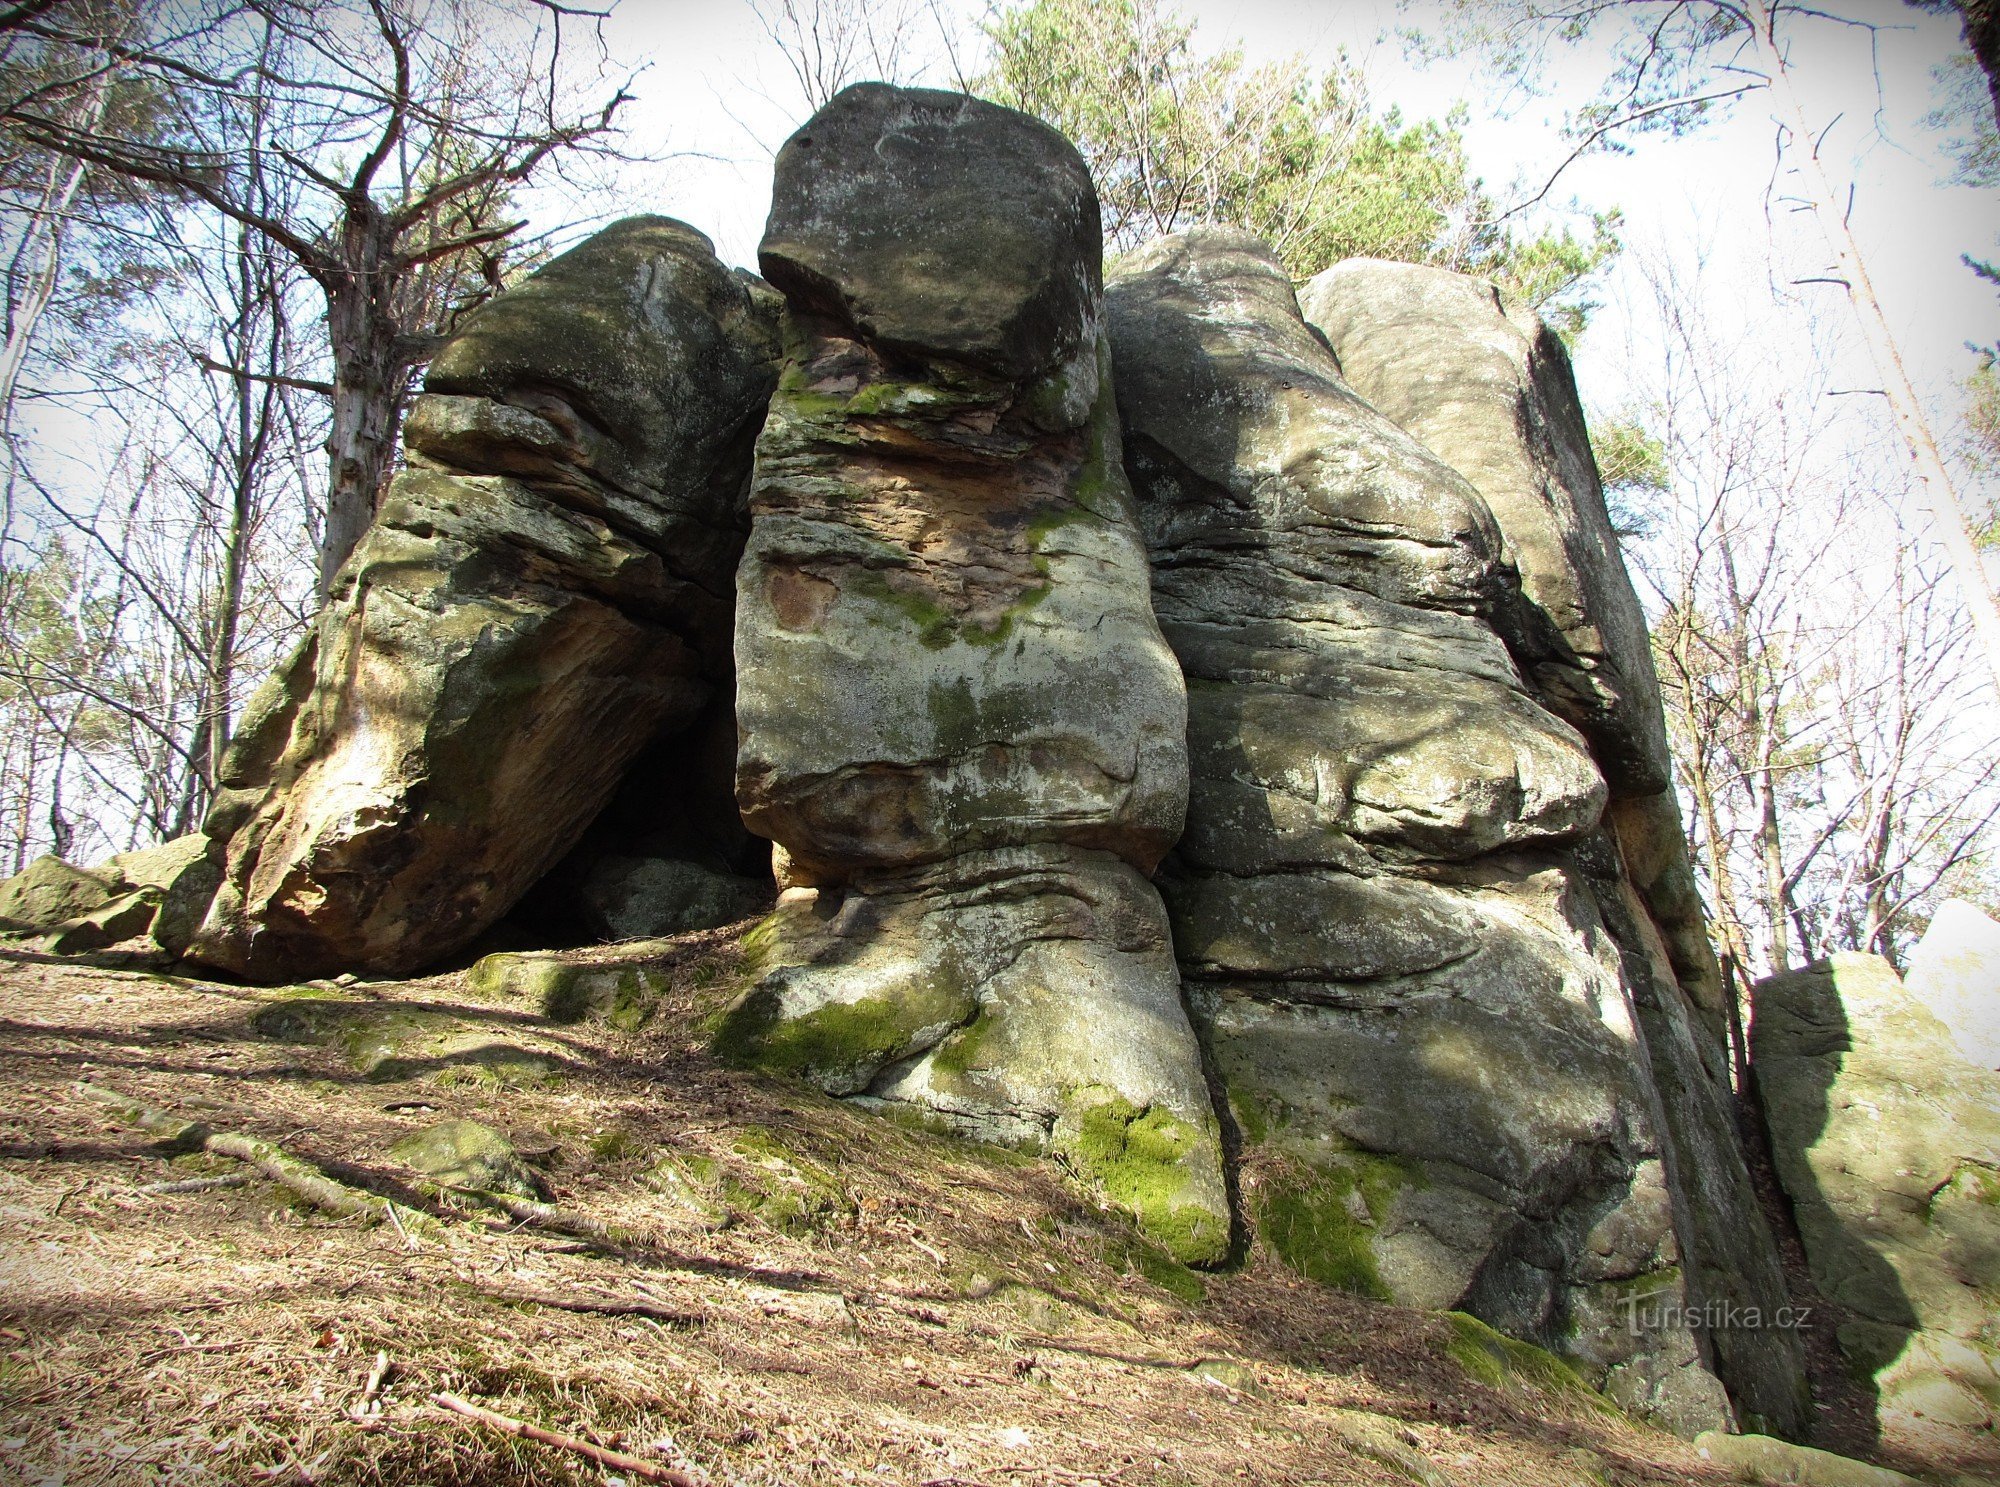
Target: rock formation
[(1405, 830), (1955, 974), (959, 721), (1887, 1142), (1404, 979), (1489, 390), (544, 593)]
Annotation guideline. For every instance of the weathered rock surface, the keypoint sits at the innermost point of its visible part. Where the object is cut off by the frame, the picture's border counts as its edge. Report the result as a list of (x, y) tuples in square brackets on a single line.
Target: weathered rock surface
[(1758, 1458), (1491, 394), (544, 593), (1887, 1142), (1955, 974), (467, 1154), (1393, 941), (151, 899), (1489, 390), (959, 721)]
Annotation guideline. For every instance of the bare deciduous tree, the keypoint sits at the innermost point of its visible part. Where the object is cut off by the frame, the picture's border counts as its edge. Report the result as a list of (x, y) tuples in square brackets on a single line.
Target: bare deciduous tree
[(1677, 60), (400, 128), (1813, 668)]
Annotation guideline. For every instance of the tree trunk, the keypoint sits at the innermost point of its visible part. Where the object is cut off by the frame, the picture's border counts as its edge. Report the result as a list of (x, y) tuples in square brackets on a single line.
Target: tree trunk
[(1953, 531), (367, 387), (369, 374)]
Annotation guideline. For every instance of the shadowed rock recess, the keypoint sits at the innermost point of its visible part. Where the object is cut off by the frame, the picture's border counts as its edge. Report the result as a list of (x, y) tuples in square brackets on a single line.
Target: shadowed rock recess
[(544, 592), (864, 563)]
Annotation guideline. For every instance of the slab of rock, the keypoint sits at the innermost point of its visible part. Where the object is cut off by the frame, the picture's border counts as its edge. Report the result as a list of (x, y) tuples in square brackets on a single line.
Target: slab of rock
[(544, 594), (1955, 973), (467, 1154), (149, 900), (958, 719), (1759, 1458), (49, 891), (1887, 1142), (1404, 980), (1489, 391)]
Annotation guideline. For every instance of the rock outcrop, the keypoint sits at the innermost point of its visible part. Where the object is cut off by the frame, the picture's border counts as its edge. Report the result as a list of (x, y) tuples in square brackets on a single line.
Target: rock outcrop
[(147, 902), (1887, 1142), (1955, 974), (844, 584), (1387, 903), (1489, 390), (959, 721), (544, 593)]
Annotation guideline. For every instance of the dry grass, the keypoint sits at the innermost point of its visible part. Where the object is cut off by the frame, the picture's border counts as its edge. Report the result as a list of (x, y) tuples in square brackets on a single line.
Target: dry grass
[(916, 1311)]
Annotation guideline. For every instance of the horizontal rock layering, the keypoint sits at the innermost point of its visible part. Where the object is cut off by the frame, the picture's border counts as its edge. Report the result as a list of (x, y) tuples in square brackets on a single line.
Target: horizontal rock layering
[(959, 721), (1404, 828), (1382, 904)]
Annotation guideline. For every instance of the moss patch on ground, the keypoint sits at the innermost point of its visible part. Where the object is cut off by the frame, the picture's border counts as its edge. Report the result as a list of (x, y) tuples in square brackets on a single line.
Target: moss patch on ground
[(1503, 1362)]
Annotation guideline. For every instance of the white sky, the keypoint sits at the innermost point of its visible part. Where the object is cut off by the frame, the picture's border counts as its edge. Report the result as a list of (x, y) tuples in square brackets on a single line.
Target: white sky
[(714, 86)]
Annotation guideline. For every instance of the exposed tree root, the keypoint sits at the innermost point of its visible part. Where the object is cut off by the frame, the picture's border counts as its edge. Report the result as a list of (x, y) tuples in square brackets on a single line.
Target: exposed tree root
[(301, 1177)]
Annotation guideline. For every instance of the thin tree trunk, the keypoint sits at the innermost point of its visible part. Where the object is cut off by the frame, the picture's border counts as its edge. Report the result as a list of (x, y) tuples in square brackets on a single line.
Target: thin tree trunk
[(367, 393), (1941, 499)]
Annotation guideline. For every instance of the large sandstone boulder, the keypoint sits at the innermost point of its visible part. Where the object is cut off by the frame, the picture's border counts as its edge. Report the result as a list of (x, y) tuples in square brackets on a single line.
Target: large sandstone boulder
[(1403, 978), (959, 721), (1489, 391), (1488, 388), (149, 900), (544, 593), (1887, 1142)]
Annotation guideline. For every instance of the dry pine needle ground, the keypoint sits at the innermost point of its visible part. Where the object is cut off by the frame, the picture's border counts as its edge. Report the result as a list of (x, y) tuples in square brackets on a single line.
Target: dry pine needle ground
[(802, 1293)]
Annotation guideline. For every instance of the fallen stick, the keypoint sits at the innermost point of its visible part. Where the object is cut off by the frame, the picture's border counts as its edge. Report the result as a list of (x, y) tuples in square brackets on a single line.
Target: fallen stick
[(599, 1305), (541, 1215), (273, 1161), (651, 1471), (194, 1185)]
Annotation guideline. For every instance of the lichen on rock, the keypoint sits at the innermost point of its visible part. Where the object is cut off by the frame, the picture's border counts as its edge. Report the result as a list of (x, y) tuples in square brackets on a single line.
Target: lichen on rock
[(959, 720)]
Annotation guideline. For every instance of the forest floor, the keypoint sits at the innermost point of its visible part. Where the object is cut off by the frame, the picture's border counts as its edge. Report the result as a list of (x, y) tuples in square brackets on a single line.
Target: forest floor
[(789, 1290)]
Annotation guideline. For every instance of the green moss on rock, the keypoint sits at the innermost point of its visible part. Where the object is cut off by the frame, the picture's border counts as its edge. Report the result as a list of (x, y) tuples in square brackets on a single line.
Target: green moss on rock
[(1503, 1362), (1321, 1219), (1142, 1160)]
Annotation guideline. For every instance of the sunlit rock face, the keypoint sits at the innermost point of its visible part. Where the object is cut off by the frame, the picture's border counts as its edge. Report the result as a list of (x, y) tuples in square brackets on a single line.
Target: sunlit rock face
[(544, 593), (1887, 1140), (958, 719), (1383, 904), (1487, 387)]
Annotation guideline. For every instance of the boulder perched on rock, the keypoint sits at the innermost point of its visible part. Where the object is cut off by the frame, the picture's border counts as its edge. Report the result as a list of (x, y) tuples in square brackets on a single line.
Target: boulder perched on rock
[(959, 721), (1394, 945), (543, 594), (1887, 1142)]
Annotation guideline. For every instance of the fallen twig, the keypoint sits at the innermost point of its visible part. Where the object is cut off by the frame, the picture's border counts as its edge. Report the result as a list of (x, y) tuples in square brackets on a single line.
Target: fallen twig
[(541, 1215), (609, 1306), (194, 1184), (637, 1466), (370, 1404), (273, 1161)]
